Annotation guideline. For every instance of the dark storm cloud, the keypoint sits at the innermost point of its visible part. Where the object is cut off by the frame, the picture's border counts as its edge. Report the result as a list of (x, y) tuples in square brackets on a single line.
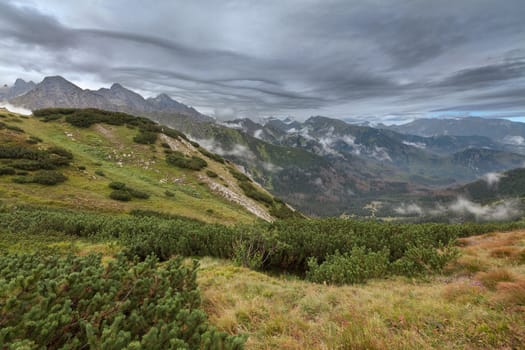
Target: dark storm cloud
[(338, 58), (474, 77)]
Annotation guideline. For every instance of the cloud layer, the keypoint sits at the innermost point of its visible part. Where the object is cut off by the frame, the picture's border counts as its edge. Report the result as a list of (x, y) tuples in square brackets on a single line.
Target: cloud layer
[(373, 59)]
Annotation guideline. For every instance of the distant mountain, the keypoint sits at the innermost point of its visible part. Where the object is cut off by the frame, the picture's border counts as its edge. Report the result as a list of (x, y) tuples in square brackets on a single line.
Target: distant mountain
[(500, 130), (20, 87), (163, 103), (59, 92), (124, 99)]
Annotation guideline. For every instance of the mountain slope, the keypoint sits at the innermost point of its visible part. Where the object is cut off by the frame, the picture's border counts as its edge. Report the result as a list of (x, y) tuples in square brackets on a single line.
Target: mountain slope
[(20, 87), (496, 186), (105, 153)]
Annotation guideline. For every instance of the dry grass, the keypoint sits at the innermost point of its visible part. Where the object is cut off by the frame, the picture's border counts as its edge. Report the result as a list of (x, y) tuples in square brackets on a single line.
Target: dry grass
[(511, 293), (491, 278), (478, 306)]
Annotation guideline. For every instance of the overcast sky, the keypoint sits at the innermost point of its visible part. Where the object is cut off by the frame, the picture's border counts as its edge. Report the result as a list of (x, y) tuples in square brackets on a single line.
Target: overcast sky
[(372, 60)]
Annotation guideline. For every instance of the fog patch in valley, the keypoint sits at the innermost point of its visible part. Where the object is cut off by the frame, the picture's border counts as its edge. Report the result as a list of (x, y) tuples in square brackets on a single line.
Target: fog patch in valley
[(236, 150), (502, 210)]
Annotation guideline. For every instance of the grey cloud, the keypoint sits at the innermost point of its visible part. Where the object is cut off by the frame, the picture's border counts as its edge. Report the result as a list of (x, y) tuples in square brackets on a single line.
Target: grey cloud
[(472, 77), (337, 58)]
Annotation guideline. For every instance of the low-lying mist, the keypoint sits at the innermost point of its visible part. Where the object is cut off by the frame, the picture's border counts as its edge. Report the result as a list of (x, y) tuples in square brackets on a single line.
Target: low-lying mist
[(15, 109), (461, 207)]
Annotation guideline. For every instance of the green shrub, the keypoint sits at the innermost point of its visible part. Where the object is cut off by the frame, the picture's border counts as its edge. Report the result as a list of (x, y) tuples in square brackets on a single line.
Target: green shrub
[(238, 175), (120, 195), (138, 194), (210, 155), (62, 152), (42, 177), (81, 167), (33, 140), (117, 185), (173, 133), (195, 144), (178, 159), (169, 193), (419, 260), (22, 179), (40, 113), (48, 177), (280, 210), (72, 302), (211, 173), (7, 171), (14, 128), (357, 266), (27, 164), (32, 159), (165, 145), (100, 173), (146, 137), (253, 192), (124, 193)]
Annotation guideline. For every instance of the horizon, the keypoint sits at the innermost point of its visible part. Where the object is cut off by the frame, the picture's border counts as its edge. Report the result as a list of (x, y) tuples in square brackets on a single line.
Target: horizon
[(378, 61), (371, 121)]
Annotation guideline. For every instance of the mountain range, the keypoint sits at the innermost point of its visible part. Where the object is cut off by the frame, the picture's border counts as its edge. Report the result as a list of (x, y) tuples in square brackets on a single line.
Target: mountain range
[(506, 132), (58, 92), (322, 166)]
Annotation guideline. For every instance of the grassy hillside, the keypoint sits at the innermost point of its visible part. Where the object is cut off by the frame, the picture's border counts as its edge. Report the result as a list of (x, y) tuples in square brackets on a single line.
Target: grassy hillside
[(104, 153)]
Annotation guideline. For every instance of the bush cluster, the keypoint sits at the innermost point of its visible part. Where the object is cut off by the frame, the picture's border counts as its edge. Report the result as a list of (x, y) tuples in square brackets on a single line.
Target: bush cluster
[(7, 171), (253, 192), (321, 248), (146, 137), (124, 193), (42, 177), (357, 266), (211, 173), (238, 175), (26, 158), (77, 302), (32, 140), (11, 127), (211, 155), (180, 160), (84, 118)]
